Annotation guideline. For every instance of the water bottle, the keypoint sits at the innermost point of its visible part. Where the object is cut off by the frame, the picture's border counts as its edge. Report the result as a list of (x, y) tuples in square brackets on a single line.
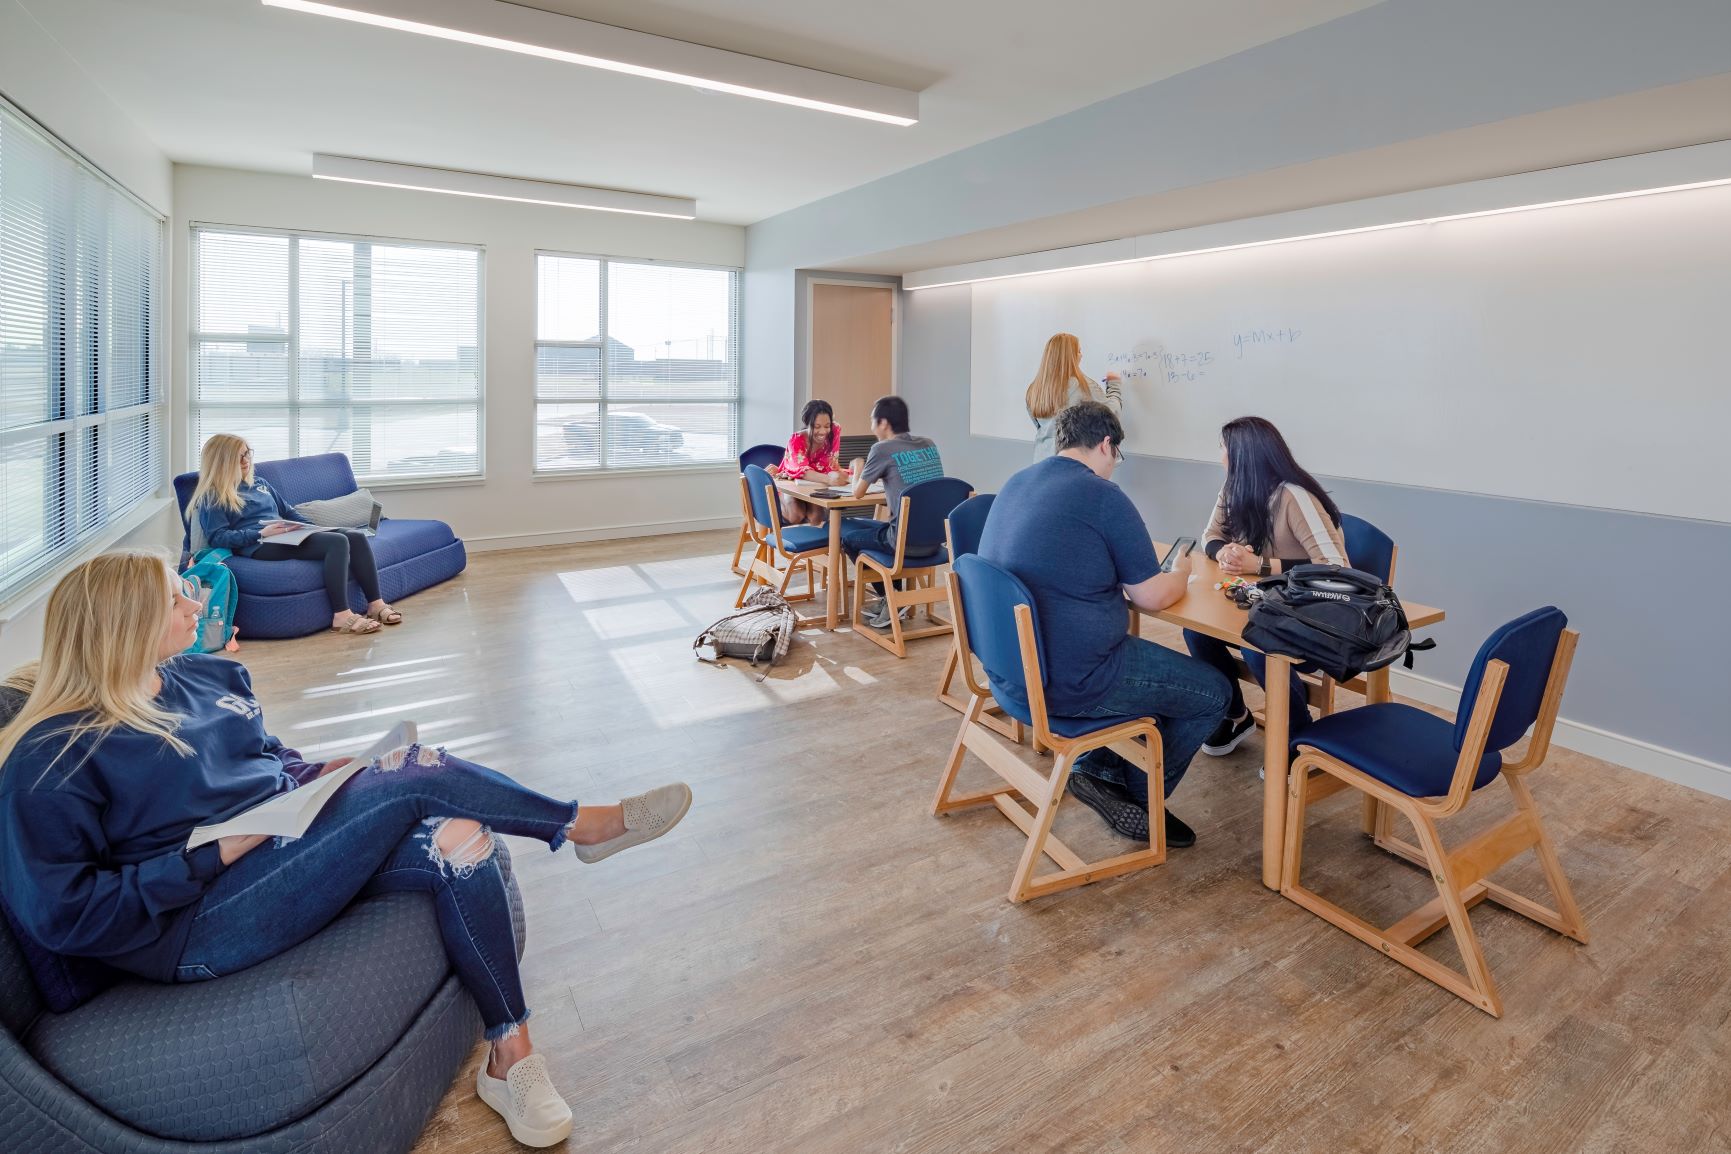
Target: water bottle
[(211, 632)]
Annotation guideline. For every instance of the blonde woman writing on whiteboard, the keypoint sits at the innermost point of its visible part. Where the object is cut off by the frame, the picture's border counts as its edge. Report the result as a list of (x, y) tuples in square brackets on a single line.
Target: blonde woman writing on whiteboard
[(1060, 384)]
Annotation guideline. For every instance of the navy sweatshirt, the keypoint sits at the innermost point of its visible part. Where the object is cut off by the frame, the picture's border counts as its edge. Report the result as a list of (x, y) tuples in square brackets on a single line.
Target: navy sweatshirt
[(92, 853), (238, 531)]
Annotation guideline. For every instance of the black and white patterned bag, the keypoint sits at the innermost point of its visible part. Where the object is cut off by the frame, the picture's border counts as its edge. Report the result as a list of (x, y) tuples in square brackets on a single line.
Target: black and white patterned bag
[(761, 630)]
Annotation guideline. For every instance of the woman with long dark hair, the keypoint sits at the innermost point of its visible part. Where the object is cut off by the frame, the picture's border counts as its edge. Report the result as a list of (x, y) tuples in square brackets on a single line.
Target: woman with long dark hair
[(1270, 516), (814, 452)]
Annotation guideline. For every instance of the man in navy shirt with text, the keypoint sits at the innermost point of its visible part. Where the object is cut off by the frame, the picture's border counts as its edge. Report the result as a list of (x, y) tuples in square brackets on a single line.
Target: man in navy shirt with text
[(1077, 542)]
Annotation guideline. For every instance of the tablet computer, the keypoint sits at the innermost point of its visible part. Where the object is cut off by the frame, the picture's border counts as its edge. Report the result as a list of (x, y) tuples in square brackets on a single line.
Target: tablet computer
[(1180, 549)]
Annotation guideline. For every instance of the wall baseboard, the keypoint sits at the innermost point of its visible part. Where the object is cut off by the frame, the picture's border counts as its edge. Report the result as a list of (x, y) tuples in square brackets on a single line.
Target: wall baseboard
[(503, 541), (1643, 756)]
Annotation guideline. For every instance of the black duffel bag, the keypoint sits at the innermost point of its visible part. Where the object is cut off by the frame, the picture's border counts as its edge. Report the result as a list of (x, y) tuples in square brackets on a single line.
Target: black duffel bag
[(1343, 621)]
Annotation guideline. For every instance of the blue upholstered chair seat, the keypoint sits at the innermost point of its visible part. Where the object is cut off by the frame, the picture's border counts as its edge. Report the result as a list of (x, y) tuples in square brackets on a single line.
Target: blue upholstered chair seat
[(887, 558), (1400, 746), (804, 538)]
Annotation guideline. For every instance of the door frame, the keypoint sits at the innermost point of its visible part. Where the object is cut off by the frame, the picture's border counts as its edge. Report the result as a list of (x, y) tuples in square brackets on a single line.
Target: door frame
[(804, 296)]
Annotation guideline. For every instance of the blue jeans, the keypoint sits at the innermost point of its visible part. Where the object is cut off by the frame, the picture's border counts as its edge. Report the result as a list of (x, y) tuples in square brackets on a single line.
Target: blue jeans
[(1185, 698), (377, 836), (1219, 654), (859, 533)]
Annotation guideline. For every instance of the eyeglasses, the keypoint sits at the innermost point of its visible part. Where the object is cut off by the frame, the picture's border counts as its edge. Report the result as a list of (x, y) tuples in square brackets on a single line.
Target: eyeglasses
[(188, 589), (1117, 453)]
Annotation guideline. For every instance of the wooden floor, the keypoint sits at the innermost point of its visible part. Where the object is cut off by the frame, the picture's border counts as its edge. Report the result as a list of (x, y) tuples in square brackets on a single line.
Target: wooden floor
[(812, 962)]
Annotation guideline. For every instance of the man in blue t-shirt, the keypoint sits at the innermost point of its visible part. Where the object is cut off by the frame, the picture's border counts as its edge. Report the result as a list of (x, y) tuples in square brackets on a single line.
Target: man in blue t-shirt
[(1078, 544)]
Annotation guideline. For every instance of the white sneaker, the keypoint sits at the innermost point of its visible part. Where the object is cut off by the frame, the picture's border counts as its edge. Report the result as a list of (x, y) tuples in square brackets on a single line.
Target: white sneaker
[(647, 817), (526, 1099)]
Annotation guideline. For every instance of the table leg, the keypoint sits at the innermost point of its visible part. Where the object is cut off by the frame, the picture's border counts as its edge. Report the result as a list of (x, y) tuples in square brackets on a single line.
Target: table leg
[(1276, 720), (1375, 690), (832, 591)]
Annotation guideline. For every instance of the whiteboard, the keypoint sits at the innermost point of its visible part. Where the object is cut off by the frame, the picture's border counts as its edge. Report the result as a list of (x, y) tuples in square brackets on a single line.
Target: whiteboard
[(1575, 354)]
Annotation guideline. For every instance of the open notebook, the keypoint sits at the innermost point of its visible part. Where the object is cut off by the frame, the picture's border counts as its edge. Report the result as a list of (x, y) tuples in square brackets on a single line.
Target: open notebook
[(289, 814), (296, 536)]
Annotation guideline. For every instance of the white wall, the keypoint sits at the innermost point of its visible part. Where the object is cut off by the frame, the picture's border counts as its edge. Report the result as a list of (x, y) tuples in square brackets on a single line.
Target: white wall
[(40, 78), (510, 508)]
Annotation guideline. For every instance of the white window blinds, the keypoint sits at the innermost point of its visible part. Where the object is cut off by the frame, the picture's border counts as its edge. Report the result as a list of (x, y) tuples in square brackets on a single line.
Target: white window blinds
[(307, 344), (82, 411), (636, 364)]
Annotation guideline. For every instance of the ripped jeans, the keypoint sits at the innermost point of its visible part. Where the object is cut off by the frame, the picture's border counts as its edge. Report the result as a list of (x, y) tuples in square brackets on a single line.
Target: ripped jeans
[(377, 835)]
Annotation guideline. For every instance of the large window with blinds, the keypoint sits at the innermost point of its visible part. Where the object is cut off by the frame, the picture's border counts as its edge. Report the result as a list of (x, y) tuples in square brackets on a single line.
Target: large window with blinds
[(82, 410), (305, 343), (636, 364)]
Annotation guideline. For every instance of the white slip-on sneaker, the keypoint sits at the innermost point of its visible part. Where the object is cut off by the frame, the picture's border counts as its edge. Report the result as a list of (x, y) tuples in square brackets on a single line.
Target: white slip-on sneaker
[(526, 1099), (647, 817)]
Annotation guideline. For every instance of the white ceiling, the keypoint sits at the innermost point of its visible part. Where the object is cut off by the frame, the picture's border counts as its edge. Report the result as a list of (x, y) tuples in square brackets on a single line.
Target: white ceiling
[(235, 84)]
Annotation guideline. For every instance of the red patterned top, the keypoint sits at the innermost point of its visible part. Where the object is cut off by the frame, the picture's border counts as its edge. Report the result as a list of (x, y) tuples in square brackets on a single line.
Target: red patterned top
[(796, 464)]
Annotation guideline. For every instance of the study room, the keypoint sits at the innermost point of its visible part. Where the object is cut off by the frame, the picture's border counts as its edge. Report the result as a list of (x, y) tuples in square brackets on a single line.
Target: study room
[(671, 577)]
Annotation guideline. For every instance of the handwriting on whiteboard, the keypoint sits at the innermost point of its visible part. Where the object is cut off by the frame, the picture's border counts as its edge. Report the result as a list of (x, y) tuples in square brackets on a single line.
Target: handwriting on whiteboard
[(1142, 364), (1253, 339)]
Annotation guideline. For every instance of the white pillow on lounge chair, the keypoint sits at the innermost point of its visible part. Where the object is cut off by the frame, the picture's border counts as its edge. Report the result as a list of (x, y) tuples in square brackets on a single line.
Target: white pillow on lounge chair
[(357, 510)]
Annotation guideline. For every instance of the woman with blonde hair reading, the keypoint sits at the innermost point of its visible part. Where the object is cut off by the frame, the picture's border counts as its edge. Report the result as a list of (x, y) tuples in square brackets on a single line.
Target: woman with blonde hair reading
[(232, 509), (1060, 384), (127, 743)]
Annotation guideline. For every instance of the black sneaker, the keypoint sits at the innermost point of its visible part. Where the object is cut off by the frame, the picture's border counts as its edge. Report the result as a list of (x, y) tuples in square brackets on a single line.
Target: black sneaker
[(1178, 835), (1228, 735), (1113, 803)]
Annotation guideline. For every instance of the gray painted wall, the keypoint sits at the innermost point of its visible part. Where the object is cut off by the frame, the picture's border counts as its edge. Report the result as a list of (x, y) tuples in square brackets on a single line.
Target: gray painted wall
[(1647, 668)]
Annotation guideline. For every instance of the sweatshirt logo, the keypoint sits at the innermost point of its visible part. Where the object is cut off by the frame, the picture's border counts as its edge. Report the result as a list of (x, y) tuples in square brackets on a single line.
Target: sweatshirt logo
[(247, 707)]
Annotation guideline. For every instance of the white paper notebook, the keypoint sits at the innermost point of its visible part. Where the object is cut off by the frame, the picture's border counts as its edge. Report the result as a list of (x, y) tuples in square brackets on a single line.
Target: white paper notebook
[(289, 814), (296, 536)]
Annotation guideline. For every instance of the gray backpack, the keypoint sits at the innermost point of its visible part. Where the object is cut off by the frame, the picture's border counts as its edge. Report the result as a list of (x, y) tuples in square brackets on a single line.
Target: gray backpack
[(761, 630)]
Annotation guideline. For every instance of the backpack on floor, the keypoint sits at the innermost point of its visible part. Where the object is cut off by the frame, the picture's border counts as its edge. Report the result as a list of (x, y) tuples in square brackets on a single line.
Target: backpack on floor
[(1344, 621), (218, 595), (761, 630)]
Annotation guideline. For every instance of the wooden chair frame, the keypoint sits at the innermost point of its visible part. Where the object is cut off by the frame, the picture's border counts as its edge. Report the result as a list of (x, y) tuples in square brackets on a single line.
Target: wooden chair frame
[(1138, 741), (925, 593), (1461, 875), (763, 569), (991, 714)]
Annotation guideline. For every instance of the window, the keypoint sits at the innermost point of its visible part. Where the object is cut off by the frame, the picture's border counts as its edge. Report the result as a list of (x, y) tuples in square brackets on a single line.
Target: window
[(636, 364), (82, 413), (307, 344)]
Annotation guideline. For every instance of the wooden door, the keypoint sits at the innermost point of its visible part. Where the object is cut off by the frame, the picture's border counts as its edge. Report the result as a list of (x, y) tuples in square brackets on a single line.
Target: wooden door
[(852, 344)]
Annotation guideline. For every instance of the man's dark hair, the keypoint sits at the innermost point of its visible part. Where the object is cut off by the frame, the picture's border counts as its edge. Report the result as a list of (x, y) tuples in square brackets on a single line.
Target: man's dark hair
[(1085, 424), (894, 410)]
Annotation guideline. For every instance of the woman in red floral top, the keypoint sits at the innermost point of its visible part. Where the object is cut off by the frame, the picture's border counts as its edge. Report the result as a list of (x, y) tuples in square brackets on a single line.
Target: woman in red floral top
[(813, 453)]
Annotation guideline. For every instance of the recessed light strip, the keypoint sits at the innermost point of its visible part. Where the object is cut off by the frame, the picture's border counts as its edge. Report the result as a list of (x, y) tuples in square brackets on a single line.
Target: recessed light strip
[(550, 36), (960, 280), (413, 176)]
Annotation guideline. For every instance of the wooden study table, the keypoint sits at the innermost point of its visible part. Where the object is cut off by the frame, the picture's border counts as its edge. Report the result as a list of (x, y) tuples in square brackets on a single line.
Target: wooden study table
[(838, 507), (1208, 610)]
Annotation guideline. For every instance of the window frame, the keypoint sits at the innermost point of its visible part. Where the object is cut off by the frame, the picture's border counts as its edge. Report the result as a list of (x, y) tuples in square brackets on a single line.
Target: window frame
[(736, 403), (290, 343), (79, 519)]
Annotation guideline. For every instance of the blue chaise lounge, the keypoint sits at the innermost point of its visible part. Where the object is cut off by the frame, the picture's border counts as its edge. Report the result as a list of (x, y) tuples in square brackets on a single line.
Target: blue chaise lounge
[(286, 598)]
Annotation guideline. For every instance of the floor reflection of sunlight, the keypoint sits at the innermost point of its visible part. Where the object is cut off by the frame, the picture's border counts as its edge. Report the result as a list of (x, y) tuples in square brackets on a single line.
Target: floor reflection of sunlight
[(635, 619), (376, 666), (860, 675), (412, 675), (601, 584), (688, 572), (406, 709)]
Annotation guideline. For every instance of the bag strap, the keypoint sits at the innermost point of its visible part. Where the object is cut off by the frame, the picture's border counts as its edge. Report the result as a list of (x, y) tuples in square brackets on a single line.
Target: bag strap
[(1417, 647)]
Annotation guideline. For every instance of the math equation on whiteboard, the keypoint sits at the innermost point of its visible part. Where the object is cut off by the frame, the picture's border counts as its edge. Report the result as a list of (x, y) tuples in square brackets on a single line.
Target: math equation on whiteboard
[(1158, 363)]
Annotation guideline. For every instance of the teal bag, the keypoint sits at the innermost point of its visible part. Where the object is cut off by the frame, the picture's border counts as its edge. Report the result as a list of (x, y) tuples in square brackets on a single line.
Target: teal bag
[(219, 596)]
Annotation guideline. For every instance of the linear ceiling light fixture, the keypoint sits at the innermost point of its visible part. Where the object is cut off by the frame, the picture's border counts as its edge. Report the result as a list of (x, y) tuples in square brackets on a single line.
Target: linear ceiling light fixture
[(413, 176), (960, 280), (532, 32)]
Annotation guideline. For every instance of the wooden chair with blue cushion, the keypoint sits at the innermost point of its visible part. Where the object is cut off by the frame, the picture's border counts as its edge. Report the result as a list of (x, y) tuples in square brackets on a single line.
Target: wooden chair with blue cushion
[(1426, 768), (796, 544), (962, 530), (919, 553), (996, 625), (763, 456)]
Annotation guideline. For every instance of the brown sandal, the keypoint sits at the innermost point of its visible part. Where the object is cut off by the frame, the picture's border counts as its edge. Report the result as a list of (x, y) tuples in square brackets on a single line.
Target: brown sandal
[(357, 626), (386, 616)]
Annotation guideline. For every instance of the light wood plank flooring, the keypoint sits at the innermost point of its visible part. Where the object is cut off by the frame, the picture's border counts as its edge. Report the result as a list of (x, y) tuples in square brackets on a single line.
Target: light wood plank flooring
[(812, 962)]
